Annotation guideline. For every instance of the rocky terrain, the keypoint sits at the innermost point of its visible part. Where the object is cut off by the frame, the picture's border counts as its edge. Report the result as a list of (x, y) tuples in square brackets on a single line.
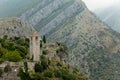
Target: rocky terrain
[(15, 27), (93, 47)]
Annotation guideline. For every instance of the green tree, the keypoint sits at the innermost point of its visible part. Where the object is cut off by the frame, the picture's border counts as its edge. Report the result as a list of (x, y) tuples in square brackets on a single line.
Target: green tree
[(38, 67), (23, 75), (5, 37), (44, 39), (26, 67), (13, 56), (49, 74), (21, 41), (2, 51), (9, 45), (41, 44), (23, 51)]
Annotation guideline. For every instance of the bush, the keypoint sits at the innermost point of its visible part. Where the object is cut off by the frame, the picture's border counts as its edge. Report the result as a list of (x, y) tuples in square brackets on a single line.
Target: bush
[(1, 72), (66, 75), (26, 66), (9, 45), (57, 73), (7, 68), (1, 60), (49, 74), (13, 56), (44, 39), (23, 75), (21, 41), (38, 67), (44, 64), (22, 50), (44, 52), (38, 76), (2, 51)]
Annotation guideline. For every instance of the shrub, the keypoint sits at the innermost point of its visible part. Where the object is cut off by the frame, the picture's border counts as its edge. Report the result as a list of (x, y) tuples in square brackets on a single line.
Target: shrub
[(44, 63), (41, 45), (1, 72), (7, 68), (13, 56), (23, 75), (5, 37), (26, 66), (38, 67), (57, 73), (67, 76), (2, 52), (21, 41), (38, 76), (44, 39), (9, 45), (49, 74), (1, 60), (22, 50), (44, 52)]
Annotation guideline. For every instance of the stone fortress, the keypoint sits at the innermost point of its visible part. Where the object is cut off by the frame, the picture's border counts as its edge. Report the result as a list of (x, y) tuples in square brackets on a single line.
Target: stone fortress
[(34, 52)]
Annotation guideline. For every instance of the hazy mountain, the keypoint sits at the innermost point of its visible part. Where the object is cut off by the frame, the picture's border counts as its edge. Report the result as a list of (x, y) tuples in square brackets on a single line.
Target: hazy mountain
[(93, 46), (13, 8), (111, 15)]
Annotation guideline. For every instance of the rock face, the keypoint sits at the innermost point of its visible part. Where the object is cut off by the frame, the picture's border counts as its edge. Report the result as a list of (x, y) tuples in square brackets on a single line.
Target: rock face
[(93, 46), (15, 27)]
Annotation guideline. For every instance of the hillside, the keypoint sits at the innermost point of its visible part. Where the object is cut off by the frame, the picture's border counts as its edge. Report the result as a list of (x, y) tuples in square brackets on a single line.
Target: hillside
[(16, 64), (93, 46), (15, 27)]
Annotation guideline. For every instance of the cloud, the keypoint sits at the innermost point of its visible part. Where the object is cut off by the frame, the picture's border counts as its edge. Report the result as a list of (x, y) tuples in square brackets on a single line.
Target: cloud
[(100, 4)]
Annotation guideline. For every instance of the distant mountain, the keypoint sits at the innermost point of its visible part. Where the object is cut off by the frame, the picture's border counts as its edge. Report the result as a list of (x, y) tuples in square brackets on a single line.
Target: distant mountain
[(15, 27), (93, 46), (13, 8), (111, 15)]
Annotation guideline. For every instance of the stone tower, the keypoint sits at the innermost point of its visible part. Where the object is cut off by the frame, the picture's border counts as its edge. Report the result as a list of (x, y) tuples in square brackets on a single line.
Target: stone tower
[(35, 46)]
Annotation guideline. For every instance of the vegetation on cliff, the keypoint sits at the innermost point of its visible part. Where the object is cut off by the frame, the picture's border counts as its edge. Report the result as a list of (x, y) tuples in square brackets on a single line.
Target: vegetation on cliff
[(13, 49), (16, 49), (51, 70)]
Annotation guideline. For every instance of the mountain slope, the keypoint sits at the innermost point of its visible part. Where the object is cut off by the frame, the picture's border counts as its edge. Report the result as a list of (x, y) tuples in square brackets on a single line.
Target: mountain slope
[(13, 8), (93, 46), (14, 27)]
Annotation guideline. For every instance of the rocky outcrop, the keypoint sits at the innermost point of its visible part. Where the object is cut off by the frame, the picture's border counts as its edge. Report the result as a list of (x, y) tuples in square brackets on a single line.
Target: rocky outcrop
[(15, 27)]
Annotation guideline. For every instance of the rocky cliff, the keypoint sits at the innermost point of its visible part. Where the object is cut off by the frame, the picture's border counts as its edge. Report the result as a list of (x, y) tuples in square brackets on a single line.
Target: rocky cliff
[(15, 27)]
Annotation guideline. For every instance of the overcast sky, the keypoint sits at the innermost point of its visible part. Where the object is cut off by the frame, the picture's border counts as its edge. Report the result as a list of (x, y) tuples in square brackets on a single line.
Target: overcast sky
[(100, 4)]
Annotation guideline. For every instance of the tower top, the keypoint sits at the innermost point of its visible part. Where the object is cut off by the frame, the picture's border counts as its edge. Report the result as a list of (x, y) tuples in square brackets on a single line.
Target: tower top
[(34, 34)]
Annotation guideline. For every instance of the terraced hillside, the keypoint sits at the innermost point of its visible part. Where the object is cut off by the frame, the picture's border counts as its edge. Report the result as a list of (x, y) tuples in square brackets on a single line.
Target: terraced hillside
[(93, 46)]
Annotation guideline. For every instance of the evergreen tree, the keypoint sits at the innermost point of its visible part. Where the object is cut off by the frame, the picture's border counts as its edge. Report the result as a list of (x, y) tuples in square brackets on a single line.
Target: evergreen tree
[(44, 39)]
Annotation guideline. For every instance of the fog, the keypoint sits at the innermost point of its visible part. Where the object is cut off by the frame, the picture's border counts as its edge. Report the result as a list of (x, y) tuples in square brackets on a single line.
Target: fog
[(94, 5)]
